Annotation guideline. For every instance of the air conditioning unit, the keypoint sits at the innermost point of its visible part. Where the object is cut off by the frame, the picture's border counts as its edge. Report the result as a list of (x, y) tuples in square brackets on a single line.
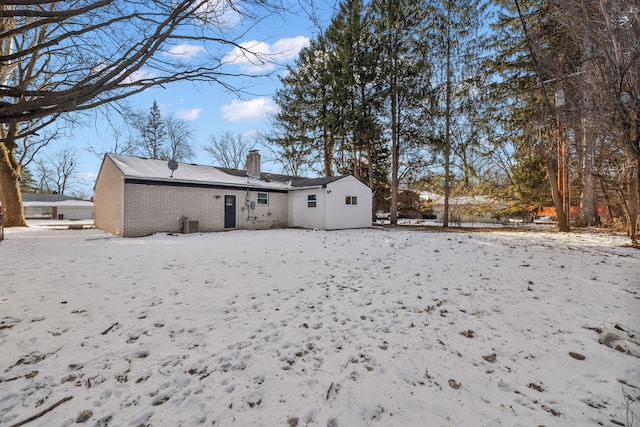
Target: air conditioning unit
[(189, 227)]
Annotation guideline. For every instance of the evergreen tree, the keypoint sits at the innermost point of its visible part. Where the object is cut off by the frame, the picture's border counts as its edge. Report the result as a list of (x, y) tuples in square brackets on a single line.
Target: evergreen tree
[(327, 119), (355, 69), (27, 183), (457, 37), (160, 138), (527, 187), (530, 47), (304, 125), (404, 78), (153, 135), (345, 39)]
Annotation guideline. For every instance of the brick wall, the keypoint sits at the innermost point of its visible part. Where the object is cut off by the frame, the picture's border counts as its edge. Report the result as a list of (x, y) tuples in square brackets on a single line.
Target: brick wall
[(158, 208)]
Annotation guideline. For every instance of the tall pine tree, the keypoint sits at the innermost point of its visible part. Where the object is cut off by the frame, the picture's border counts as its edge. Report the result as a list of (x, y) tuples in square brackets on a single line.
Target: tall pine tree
[(153, 135), (457, 38), (304, 126), (404, 78)]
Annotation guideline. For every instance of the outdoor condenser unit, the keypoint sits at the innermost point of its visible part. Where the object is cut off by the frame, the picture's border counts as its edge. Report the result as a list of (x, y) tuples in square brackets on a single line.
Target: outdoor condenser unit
[(189, 227)]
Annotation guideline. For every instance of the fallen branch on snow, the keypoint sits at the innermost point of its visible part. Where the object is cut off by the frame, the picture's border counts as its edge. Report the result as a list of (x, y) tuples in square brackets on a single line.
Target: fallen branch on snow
[(39, 414)]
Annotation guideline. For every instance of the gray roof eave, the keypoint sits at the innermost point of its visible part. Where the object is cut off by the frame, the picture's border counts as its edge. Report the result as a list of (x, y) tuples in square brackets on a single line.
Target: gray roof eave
[(246, 185)]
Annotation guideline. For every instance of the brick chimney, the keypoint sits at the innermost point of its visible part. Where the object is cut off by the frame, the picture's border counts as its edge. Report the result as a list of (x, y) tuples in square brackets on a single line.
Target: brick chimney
[(253, 164)]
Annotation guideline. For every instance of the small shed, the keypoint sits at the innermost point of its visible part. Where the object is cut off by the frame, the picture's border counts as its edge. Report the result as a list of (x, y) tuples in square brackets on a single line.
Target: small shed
[(138, 197)]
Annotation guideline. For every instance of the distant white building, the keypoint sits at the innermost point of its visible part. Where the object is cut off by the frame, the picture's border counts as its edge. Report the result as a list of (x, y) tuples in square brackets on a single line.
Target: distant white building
[(55, 206), (138, 197), (464, 208)]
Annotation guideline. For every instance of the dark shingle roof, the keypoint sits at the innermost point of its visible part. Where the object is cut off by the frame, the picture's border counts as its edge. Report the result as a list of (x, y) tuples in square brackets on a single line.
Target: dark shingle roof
[(312, 182), (296, 181), (33, 197), (264, 176)]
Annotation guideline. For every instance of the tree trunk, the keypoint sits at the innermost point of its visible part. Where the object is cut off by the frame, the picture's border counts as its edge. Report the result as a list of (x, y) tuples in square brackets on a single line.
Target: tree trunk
[(563, 224), (634, 202), (10, 189), (588, 210), (632, 137), (327, 151), (395, 153), (371, 181), (447, 127), (447, 158)]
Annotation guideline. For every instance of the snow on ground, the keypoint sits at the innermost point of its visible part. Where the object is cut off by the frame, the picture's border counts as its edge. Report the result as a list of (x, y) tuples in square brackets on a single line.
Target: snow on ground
[(388, 327)]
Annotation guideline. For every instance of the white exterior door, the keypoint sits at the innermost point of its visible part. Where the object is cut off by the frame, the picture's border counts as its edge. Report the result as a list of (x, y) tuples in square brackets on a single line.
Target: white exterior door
[(299, 204)]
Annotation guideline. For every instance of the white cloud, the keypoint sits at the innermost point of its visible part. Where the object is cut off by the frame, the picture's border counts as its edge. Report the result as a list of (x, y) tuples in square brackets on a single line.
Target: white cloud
[(254, 133), (185, 50), (255, 56), (251, 110), (289, 48), (140, 75), (86, 176), (188, 114)]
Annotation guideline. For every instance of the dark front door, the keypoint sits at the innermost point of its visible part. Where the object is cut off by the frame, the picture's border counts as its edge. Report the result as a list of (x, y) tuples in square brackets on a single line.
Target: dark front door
[(229, 211)]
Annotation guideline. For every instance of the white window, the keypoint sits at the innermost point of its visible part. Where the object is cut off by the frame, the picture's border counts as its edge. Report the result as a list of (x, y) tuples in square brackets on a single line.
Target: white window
[(311, 201), (263, 199), (351, 200)]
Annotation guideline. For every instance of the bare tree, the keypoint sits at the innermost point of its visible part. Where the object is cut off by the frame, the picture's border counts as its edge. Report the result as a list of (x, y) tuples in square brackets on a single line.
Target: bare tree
[(179, 137), (42, 177), (609, 79), (58, 57), (229, 150), (122, 140), (150, 135), (121, 145), (102, 51), (56, 173), (64, 165)]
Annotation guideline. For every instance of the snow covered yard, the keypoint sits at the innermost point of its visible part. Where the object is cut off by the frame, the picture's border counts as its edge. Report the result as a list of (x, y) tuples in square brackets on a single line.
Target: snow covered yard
[(388, 327)]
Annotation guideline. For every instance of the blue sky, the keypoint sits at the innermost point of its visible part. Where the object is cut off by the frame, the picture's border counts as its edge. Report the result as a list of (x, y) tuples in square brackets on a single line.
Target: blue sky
[(211, 109)]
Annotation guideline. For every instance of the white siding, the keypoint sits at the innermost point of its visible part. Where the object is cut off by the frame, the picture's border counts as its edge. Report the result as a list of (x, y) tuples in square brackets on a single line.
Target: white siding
[(341, 215), (76, 212), (301, 215), (331, 211)]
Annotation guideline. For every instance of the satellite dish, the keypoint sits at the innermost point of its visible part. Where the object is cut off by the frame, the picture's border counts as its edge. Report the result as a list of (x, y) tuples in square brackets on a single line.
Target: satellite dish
[(173, 165)]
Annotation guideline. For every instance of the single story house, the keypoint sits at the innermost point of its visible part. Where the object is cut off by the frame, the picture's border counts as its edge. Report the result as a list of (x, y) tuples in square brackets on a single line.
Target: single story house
[(55, 206), (137, 197), (464, 209)]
